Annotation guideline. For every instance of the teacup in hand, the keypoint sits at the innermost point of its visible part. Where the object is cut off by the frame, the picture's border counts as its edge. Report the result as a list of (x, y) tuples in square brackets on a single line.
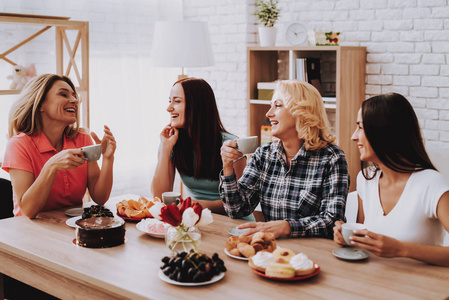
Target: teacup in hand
[(92, 153), (247, 145), (171, 197), (347, 230)]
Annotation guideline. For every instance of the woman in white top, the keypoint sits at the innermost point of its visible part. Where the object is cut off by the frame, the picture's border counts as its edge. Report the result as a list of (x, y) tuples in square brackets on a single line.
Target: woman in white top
[(403, 199)]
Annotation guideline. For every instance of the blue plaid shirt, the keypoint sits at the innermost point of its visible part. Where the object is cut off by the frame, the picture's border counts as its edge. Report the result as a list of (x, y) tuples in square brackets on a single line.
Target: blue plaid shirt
[(310, 195)]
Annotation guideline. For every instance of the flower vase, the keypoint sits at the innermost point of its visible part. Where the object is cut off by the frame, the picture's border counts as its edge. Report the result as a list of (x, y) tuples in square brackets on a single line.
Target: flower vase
[(182, 239), (267, 36)]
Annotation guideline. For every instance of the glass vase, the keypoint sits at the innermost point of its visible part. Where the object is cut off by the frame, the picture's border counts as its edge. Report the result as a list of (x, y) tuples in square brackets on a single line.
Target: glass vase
[(182, 239)]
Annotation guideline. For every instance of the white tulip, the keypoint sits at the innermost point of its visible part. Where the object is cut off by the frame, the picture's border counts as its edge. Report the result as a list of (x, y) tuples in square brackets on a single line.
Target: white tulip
[(189, 217), (155, 210), (206, 217)]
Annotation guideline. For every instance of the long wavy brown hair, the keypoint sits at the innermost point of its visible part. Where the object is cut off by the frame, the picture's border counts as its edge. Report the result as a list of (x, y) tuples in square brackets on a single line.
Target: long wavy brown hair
[(197, 151)]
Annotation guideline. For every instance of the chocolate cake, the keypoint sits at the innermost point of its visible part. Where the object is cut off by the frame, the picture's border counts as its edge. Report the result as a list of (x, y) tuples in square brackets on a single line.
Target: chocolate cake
[(100, 232)]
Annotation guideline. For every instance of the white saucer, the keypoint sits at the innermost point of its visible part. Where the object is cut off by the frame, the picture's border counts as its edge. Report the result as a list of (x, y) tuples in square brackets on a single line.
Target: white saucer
[(141, 226), (214, 279), (74, 212), (234, 256), (71, 222), (237, 232), (351, 253)]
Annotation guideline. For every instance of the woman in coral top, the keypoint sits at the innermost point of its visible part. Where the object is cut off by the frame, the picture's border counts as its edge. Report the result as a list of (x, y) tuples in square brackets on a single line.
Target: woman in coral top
[(43, 155)]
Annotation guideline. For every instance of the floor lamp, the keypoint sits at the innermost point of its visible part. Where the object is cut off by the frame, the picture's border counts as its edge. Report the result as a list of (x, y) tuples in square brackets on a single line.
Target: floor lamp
[(181, 44)]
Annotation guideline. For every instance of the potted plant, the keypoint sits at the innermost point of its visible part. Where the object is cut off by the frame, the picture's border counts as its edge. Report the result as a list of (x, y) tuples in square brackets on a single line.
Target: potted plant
[(267, 13)]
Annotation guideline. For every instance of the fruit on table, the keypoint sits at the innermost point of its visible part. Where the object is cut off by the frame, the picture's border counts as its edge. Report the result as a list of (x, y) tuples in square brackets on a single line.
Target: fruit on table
[(136, 209), (192, 266), (96, 211)]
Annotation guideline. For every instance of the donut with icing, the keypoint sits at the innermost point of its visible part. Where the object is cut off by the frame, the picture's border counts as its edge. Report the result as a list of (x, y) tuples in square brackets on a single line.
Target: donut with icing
[(283, 255), (261, 260), (302, 264)]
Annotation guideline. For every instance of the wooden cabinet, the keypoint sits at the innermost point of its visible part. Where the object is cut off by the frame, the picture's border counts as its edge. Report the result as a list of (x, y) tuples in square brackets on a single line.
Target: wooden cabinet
[(342, 77), (63, 46)]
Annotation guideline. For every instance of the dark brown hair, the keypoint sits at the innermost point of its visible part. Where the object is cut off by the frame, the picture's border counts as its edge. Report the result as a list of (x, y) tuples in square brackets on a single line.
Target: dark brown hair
[(392, 129), (197, 151)]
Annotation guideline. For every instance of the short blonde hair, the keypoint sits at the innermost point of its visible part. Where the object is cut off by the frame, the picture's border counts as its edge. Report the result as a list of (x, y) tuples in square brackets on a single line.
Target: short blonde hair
[(25, 115), (306, 105)]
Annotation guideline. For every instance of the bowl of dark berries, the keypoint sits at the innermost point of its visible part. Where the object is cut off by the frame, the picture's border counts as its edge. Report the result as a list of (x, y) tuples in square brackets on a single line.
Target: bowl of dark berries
[(192, 269)]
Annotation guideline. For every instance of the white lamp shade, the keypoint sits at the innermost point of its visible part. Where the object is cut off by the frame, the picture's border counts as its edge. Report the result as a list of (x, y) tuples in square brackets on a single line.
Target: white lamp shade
[(181, 44)]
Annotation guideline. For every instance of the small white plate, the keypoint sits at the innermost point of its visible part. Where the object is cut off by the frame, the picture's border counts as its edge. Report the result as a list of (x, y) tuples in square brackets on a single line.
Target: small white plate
[(168, 280), (237, 232), (71, 222), (75, 212), (233, 256), (351, 253), (141, 227)]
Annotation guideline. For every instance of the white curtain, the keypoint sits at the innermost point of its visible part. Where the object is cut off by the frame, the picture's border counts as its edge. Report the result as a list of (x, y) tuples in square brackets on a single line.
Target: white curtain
[(126, 93)]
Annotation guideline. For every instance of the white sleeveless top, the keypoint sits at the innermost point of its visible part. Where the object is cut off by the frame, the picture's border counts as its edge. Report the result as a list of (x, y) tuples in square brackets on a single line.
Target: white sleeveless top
[(414, 217)]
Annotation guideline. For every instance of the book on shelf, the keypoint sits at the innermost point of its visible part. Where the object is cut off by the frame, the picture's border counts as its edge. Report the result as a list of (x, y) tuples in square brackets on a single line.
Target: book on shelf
[(265, 90), (309, 70), (328, 99)]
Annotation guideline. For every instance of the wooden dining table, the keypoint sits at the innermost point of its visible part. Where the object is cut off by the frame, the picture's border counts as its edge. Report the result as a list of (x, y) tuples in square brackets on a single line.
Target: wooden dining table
[(41, 253)]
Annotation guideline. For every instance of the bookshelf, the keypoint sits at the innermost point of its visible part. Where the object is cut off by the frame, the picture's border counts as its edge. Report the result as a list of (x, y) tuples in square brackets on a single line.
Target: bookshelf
[(342, 77), (65, 53)]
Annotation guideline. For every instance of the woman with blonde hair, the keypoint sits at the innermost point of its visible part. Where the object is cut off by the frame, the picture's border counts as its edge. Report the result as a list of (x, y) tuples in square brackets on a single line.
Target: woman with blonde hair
[(301, 181), (43, 155)]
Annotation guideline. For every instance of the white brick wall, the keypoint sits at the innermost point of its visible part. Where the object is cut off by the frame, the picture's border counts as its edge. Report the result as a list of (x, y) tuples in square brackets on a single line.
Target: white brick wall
[(228, 25), (407, 43)]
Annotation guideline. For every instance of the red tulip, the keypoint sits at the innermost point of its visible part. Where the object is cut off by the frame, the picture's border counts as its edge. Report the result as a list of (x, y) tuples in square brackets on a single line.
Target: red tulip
[(198, 209), (171, 215), (185, 204)]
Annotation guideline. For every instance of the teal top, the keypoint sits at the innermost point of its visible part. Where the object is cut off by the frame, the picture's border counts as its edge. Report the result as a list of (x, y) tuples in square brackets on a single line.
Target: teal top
[(205, 189)]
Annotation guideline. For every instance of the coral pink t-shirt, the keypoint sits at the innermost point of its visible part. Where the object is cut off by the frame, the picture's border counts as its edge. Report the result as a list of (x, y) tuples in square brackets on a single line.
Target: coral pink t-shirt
[(30, 153)]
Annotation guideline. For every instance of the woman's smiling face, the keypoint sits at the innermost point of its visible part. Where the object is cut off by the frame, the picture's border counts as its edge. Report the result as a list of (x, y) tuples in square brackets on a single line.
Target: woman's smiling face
[(60, 104), (283, 124), (365, 149), (177, 106)]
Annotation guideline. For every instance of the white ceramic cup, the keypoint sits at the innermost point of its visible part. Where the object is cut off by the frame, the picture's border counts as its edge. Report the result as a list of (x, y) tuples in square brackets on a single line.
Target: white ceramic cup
[(347, 230), (171, 197), (248, 145), (92, 153)]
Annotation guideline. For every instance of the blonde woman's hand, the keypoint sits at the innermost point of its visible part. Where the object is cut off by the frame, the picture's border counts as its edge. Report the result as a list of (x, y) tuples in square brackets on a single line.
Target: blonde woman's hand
[(108, 143), (280, 228), (229, 153), (338, 237), (66, 160), (169, 137)]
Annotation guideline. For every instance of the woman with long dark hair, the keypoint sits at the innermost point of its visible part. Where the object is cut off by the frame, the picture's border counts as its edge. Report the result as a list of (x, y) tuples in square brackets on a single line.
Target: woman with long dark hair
[(403, 199), (191, 144)]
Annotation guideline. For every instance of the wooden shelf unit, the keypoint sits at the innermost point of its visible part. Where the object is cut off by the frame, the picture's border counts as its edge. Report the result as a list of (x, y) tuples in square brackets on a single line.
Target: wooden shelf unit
[(342, 73), (61, 25)]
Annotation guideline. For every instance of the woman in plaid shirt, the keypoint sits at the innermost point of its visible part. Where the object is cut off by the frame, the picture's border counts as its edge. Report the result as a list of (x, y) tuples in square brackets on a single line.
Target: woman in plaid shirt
[(301, 181)]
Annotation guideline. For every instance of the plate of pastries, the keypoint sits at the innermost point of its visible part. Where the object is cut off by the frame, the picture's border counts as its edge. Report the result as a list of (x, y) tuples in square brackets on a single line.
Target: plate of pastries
[(283, 264), (244, 247), (136, 210)]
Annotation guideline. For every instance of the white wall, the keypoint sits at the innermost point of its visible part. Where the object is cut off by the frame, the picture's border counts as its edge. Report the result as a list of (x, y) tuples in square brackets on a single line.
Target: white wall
[(126, 93), (407, 43)]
